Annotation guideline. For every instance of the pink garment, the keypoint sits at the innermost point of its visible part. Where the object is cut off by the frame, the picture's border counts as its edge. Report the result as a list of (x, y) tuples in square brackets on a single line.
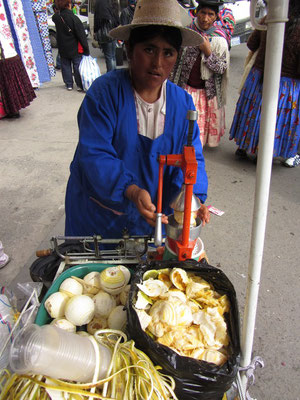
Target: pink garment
[(211, 120), (2, 111)]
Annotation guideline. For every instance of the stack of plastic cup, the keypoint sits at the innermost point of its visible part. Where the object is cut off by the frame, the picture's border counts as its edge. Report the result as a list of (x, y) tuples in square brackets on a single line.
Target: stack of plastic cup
[(6, 324), (48, 350)]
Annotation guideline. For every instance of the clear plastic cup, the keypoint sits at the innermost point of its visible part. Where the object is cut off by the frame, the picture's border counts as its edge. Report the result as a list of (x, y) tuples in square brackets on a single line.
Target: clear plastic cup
[(48, 350)]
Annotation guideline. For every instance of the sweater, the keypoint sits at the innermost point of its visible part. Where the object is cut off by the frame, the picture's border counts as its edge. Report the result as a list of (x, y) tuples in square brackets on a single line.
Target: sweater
[(214, 70)]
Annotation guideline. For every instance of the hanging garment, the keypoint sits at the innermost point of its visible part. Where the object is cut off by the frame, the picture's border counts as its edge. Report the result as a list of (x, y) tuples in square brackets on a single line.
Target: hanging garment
[(36, 42), (5, 8), (15, 86), (26, 53), (6, 36), (40, 11)]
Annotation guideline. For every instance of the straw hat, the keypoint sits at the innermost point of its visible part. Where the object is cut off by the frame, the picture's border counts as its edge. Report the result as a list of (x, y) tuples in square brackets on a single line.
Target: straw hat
[(158, 12)]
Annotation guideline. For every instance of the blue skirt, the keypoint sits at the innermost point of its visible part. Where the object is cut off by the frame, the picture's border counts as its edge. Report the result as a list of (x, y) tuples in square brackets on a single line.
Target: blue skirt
[(246, 122)]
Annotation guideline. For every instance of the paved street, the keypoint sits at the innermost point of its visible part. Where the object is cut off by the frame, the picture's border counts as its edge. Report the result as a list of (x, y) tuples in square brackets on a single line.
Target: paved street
[(36, 152)]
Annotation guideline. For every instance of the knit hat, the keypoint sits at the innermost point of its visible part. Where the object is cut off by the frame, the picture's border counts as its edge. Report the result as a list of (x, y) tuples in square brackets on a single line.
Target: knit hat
[(158, 12)]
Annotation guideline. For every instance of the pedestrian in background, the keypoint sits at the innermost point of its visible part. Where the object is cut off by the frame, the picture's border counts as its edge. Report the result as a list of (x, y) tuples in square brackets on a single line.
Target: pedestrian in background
[(202, 72), (106, 17), (71, 42), (246, 122), (126, 15), (225, 21)]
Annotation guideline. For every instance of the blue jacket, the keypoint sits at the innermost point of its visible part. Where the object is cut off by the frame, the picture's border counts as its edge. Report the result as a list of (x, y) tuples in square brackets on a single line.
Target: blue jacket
[(111, 155)]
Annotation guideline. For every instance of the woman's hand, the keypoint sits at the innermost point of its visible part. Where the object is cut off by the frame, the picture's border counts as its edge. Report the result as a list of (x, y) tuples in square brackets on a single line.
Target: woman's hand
[(142, 200), (205, 46), (204, 214)]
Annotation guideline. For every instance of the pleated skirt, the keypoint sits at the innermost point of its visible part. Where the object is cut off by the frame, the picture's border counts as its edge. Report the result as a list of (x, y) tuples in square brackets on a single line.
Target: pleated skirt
[(211, 120), (246, 122), (15, 88)]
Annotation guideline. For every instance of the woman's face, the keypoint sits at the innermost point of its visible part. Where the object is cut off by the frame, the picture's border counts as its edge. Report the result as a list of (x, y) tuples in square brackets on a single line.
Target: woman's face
[(151, 63), (206, 17)]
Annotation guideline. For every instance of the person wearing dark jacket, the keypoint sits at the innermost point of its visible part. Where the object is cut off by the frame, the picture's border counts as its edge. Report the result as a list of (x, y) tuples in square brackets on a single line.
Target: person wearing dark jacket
[(106, 15), (126, 15), (69, 32)]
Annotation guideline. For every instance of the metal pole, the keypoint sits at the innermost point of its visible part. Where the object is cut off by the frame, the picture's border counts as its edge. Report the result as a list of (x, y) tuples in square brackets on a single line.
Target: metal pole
[(277, 16)]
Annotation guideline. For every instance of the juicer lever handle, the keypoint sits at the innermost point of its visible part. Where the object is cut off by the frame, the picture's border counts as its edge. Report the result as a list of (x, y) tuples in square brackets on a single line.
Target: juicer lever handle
[(158, 230), (192, 116)]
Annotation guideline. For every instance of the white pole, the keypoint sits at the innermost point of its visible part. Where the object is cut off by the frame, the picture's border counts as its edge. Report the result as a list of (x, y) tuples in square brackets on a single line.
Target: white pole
[(277, 16)]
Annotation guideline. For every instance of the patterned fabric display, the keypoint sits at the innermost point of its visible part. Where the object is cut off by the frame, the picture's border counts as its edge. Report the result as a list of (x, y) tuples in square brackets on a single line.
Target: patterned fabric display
[(12, 29), (19, 22), (37, 47), (6, 38), (40, 12)]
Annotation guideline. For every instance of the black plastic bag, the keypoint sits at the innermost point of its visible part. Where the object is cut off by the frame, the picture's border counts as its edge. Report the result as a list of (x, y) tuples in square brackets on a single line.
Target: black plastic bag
[(195, 380)]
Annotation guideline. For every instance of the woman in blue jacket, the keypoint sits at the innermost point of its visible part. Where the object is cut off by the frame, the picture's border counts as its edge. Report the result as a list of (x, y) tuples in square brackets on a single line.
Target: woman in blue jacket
[(129, 117)]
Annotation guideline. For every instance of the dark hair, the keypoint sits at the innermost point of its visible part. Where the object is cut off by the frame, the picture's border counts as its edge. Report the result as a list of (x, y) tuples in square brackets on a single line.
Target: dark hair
[(170, 34), (62, 4), (294, 8), (294, 17)]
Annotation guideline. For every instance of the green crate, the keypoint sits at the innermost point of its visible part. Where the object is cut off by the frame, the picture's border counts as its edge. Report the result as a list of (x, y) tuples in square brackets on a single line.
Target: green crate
[(42, 317)]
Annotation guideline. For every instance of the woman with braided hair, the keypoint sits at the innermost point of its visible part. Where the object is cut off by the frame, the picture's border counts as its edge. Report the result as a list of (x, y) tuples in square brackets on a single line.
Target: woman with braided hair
[(246, 122), (203, 72)]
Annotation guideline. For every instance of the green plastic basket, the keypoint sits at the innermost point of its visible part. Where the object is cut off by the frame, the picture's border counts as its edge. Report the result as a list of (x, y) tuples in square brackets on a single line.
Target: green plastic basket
[(42, 317)]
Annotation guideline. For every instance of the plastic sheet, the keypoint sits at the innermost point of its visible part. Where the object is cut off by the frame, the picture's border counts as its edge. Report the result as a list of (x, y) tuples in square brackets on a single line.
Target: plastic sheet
[(7, 311), (28, 315), (195, 380)]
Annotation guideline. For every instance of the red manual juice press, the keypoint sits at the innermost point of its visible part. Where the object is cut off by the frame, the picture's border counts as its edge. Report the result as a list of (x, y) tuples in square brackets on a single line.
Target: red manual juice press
[(184, 226)]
